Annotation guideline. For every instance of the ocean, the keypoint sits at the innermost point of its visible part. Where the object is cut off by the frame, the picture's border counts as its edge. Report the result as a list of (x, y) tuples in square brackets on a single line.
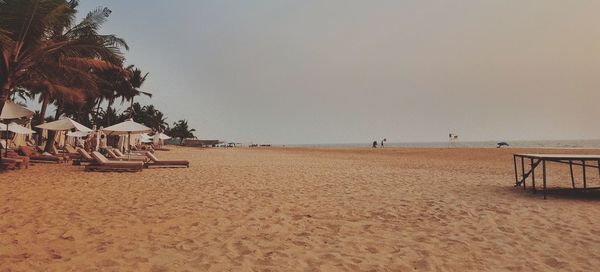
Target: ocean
[(473, 144)]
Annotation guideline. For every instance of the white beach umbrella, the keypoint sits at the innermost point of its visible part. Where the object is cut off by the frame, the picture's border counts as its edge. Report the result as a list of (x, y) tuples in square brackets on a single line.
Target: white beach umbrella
[(128, 127), (64, 124), (16, 128), (156, 139), (78, 134), (20, 138), (159, 137), (145, 138), (12, 110), (163, 136)]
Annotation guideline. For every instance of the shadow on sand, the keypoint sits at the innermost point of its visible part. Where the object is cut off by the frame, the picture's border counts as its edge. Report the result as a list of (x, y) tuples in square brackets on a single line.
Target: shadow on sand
[(559, 193)]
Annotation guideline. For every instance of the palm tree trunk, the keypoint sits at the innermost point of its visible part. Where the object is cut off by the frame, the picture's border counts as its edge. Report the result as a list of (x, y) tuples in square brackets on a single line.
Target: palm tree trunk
[(52, 134), (42, 116), (110, 102), (131, 109)]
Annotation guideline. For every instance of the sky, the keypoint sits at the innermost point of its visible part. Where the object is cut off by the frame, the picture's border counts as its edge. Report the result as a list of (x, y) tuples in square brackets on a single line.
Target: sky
[(351, 71)]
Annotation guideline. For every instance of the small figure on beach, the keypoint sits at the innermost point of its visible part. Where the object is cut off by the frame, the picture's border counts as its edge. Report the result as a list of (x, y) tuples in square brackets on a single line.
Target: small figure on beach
[(502, 144), (374, 144), (384, 139)]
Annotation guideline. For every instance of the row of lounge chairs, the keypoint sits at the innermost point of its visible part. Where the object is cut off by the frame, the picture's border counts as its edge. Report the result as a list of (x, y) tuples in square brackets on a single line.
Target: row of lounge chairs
[(21, 156), (117, 161), (36, 156), (121, 162)]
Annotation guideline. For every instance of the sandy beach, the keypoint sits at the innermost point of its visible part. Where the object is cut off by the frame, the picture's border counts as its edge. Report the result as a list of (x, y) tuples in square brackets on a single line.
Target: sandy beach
[(294, 209)]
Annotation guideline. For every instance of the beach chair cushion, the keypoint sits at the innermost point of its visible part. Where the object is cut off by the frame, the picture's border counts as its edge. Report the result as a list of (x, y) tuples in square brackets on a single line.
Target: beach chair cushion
[(70, 149), (35, 156), (103, 164), (102, 160), (84, 155), (155, 161), (113, 154)]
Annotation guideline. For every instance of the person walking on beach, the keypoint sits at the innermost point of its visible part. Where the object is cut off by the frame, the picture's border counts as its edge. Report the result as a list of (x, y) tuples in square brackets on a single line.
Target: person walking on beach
[(374, 144)]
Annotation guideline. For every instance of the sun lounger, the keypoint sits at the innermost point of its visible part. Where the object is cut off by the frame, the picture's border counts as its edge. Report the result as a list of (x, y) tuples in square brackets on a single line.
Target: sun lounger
[(139, 154), (112, 154), (22, 162), (7, 165), (57, 153), (37, 157), (84, 157), (143, 148), (71, 151), (17, 162), (172, 163), (101, 163)]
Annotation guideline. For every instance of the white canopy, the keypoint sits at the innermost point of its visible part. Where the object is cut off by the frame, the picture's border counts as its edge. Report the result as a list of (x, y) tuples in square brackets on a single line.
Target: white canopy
[(145, 138), (64, 124), (77, 134), (16, 128), (126, 127), (163, 136), (14, 111)]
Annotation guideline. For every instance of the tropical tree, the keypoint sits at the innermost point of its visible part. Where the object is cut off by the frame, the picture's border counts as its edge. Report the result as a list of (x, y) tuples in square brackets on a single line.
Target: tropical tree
[(181, 130), (109, 117), (147, 115), (41, 48), (44, 52), (135, 80)]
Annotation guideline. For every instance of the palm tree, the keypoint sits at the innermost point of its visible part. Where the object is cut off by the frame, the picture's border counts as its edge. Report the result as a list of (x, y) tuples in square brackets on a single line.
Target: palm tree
[(147, 115), (41, 49), (111, 85), (181, 130), (136, 80), (44, 52)]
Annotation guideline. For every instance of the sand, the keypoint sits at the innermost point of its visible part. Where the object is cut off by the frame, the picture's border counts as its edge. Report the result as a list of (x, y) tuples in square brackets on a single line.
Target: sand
[(284, 209)]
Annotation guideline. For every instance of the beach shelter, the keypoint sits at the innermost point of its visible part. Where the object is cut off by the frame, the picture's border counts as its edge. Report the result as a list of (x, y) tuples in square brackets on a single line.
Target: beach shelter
[(20, 139), (127, 127), (159, 138), (74, 137), (78, 134), (145, 138), (12, 110), (16, 128), (64, 124)]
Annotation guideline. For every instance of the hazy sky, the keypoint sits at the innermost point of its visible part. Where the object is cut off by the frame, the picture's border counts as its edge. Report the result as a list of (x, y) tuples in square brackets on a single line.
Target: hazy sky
[(354, 71)]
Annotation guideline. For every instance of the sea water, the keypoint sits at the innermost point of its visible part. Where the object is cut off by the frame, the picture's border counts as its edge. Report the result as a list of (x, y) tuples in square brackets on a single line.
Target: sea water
[(472, 144)]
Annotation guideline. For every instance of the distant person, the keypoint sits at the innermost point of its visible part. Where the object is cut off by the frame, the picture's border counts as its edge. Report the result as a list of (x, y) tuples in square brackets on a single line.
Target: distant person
[(381, 143), (92, 142), (103, 144), (374, 144)]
